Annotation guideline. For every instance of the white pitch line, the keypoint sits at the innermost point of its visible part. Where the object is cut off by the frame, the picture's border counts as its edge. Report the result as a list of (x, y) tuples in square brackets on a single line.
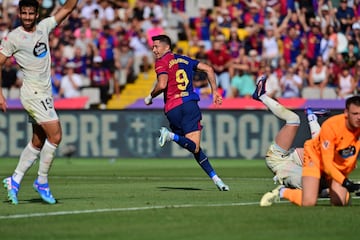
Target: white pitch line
[(76, 212), (103, 210), (155, 178)]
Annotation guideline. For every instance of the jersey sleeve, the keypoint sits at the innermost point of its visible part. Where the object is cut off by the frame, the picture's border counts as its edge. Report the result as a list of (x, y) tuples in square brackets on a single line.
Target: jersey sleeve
[(7, 48), (48, 24), (327, 141), (160, 67)]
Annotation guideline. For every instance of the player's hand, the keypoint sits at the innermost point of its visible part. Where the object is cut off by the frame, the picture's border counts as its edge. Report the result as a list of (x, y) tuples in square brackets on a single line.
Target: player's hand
[(350, 186), (3, 105), (217, 98), (148, 100)]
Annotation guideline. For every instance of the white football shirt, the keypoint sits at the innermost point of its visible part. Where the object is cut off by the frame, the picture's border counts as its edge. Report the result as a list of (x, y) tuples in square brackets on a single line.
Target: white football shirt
[(32, 52)]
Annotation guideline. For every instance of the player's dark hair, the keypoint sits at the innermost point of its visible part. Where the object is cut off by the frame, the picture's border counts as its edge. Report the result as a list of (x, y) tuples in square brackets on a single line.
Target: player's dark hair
[(352, 100), (162, 38), (29, 3)]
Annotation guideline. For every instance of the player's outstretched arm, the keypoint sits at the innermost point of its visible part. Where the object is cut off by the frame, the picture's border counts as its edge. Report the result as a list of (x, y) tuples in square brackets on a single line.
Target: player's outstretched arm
[(65, 10), (217, 98)]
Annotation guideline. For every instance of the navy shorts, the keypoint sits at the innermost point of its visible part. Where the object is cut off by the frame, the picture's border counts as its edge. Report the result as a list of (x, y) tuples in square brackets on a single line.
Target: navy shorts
[(185, 118)]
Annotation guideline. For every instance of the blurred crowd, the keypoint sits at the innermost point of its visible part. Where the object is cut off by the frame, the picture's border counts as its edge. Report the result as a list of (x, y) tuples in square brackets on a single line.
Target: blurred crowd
[(308, 49)]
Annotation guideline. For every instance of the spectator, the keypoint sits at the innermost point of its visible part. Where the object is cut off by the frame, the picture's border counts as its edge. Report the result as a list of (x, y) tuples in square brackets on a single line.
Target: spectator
[(254, 17), (347, 85), (352, 55), (46, 8), (107, 42), (108, 11), (201, 26), (319, 75), (221, 62), (270, 47), (80, 62), (71, 82), (100, 77), (313, 38), (326, 15), (10, 75), (87, 8), (200, 78), (234, 43), (292, 45), (96, 21), (153, 10), (254, 62), (242, 84), (356, 33), (273, 88), (154, 30), (333, 35), (345, 15), (241, 62), (138, 10), (303, 69), (55, 81), (355, 71), (327, 47), (291, 84), (335, 68), (82, 41), (124, 62), (282, 68)]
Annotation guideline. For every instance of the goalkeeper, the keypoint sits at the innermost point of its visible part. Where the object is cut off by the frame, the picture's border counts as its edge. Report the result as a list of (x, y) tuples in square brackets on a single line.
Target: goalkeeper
[(284, 161), (332, 153)]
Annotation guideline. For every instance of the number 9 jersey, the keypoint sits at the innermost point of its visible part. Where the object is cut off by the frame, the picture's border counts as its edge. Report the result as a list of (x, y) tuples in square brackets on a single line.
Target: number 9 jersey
[(180, 70)]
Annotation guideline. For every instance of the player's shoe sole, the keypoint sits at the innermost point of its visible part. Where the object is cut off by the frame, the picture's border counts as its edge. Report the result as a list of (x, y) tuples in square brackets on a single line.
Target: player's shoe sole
[(260, 87)]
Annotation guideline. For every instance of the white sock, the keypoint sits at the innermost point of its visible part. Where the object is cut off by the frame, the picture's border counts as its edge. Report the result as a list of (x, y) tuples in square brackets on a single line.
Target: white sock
[(171, 136), (313, 124), (26, 160), (215, 178), (280, 111), (46, 158)]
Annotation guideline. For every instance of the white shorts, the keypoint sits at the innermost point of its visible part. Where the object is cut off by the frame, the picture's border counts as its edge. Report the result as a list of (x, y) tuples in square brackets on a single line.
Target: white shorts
[(39, 106), (286, 166)]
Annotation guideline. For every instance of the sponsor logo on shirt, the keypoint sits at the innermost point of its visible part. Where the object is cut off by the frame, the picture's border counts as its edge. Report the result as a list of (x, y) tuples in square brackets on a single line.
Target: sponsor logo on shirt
[(40, 50), (347, 152)]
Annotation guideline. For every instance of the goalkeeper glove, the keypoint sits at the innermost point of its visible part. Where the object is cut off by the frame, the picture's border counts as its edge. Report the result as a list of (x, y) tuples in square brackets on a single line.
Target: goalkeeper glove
[(148, 100), (350, 186)]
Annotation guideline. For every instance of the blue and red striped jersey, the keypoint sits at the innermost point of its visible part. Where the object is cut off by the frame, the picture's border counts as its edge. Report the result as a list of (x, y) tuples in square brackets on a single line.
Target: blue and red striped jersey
[(180, 70)]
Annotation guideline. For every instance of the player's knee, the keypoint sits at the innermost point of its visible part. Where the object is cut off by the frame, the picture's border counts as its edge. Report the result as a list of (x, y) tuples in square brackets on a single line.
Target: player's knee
[(55, 139), (293, 119)]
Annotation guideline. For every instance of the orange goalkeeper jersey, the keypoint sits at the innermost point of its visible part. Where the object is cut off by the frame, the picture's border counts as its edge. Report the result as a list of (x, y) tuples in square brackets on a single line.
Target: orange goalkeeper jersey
[(337, 147)]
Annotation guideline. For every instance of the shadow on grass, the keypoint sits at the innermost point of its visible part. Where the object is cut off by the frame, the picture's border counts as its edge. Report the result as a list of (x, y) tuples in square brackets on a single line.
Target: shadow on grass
[(39, 200), (179, 188)]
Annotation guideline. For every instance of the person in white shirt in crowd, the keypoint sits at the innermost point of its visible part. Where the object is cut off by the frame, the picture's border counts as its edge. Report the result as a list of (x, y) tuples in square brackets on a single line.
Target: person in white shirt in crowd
[(273, 88), (291, 84), (71, 82), (87, 8)]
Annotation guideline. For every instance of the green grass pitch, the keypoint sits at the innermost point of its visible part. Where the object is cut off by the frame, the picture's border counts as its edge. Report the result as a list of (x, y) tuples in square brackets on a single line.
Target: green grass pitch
[(166, 199)]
